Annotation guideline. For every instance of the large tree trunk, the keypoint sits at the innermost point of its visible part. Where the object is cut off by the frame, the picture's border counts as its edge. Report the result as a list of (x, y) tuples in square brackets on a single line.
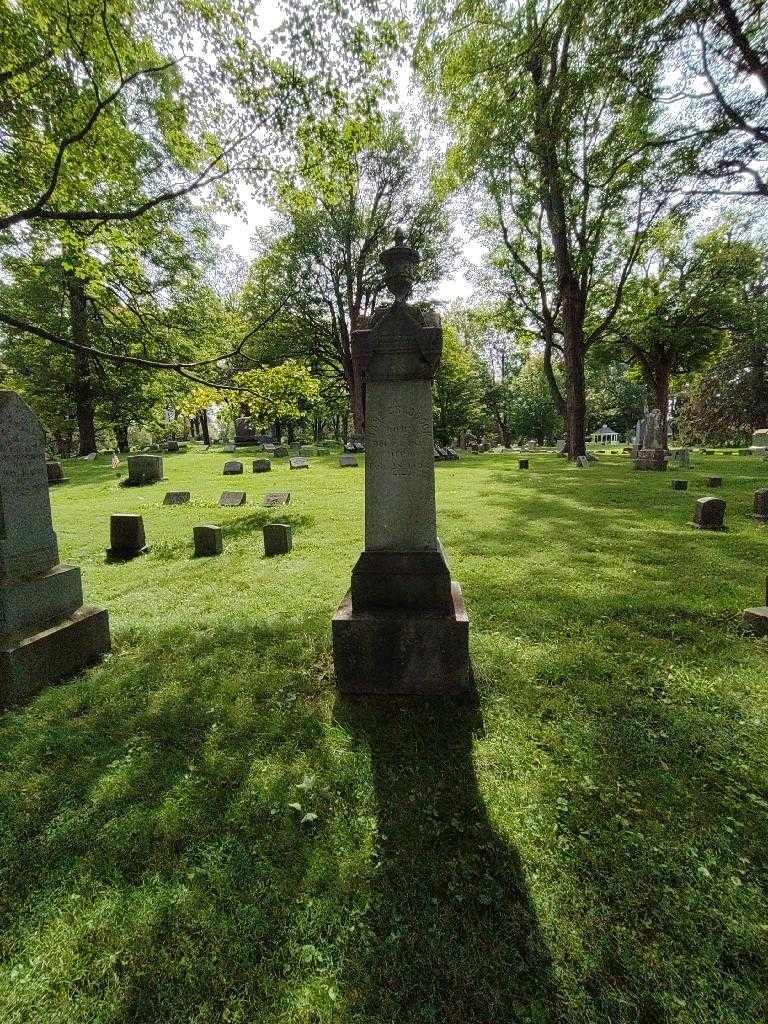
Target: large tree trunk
[(576, 402), (81, 383), (204, 426), (554, 387)]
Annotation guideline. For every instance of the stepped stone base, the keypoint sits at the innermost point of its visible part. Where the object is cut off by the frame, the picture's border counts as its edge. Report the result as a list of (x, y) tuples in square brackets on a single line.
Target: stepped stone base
[(398, 653), (30, 661), (650, 459)]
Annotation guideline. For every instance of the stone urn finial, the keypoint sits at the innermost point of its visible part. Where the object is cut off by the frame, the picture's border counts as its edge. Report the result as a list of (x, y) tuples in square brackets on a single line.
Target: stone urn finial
[(400, 262)]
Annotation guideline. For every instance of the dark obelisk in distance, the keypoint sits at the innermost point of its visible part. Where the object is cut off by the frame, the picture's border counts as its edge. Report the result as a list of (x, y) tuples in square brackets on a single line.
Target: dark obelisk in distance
[(402, 628)]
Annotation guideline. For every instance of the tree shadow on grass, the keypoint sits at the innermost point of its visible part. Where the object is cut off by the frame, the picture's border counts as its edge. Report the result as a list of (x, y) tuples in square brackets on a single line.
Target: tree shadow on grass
[(455, 934)]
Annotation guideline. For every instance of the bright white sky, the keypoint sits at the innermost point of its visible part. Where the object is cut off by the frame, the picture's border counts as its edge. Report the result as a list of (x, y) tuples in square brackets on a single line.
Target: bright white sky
[(239, 230)]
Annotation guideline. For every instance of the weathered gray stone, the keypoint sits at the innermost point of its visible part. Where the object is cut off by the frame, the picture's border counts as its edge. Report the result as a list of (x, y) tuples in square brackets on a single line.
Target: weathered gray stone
[(208, 540), (171, 446), (347, 459), (281, 451), (298, 463), (307, 451), (232, 499), (45, 633), (582, 462), (276, 498), (262, 466), (679, 485), (709, 513), (653, 459), (233, 468), (760, 439), (126, 537), (176, 498), (402, 628), (55, 472), (761, 506), (278, 539), (144, 469), (229, 448)]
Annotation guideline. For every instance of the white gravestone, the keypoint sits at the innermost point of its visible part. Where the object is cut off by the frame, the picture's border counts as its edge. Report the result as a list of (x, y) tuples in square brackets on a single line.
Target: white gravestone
[(45, 633)]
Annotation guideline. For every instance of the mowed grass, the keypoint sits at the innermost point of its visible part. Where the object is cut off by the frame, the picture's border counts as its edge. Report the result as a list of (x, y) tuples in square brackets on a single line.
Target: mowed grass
[(200, 831)]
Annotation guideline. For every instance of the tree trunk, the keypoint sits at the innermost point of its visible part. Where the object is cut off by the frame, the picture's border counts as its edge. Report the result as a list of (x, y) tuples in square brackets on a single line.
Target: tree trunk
[(204, 426), (575, 401), (758, 383), (121, 436), (81, 383)]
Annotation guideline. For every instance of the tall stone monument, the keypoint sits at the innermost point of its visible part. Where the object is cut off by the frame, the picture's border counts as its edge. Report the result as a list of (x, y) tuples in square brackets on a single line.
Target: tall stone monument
[(649, 453), (45, 632), (402, 628)]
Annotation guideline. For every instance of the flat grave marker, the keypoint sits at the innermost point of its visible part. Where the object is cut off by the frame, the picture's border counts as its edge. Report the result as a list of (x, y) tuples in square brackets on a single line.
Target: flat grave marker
[(276, 498), (232, 499), (176, 498), (233, 468)]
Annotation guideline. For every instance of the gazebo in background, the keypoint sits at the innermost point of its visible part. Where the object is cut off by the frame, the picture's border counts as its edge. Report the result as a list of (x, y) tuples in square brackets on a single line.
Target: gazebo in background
[(605, 435)]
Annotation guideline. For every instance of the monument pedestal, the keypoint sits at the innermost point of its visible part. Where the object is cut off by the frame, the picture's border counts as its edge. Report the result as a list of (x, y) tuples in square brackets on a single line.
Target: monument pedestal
[(402, 653), (651, 459)]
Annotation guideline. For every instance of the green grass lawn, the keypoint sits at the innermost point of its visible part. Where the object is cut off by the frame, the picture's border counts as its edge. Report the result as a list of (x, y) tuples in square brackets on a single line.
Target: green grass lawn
[(199, 830)]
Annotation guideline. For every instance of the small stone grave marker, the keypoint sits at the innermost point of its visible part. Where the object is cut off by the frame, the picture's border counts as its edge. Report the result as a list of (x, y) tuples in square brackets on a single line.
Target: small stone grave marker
[(276, 498), (229, 448), (262, 466), (348, 459), (55, 472), (278, 539), (582, 462), (522, 464), (176, 498), (709, 514), (756, 619), (208, 540), (299, 463), (714, 481), (126, 538), (231, 499), (281, 451), (761, 506), (679, 485), (233, 468), (144, 469)]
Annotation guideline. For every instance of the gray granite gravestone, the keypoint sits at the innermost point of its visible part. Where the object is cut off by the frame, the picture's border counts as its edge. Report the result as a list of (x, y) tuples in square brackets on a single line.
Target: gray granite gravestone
[(761, 506), (229, 448), (347, 459), (126, 538), (45, 632), (709, 514), (171, 446), (208, 540), (649, 454), (522, 464), (276, 498), (714, 481), (176, 498), (55, 472), (232, 499), (262, 466), (756, 619), (144, 469), (233, 468), (298, 463), (281, 451), (278, 539), (582, 462), (679, 485), (402, 628)]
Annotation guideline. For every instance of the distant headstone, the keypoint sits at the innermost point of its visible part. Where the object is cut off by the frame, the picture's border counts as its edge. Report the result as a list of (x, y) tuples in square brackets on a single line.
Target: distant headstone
[(714, 481), (45, 632), (582, 461), (756, 619), (278, 539), (262, 466), (268, 447), (679, 485), (347, 459), (298, 463), (126, 537), (761, 506), (55, 472), (244, 432), (231, 499), (89, 457), (144, 469), (522, 463), (276, 498), (306, 451), (281, 451), (649, 454), (208, 540), (229, 448), (233, 468), (171, 446), (452, 454), (760, 439), (176, 498), (683, 458), (560, 448), (709, 514)]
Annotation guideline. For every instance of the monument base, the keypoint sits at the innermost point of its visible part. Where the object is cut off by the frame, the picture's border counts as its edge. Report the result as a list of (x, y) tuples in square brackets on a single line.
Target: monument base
[(399, 653), (756, 620), (29, 661), (650, 458)]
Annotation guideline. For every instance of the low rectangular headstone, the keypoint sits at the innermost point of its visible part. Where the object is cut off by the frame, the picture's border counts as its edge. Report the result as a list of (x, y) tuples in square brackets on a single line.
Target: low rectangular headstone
[(126, 537), (582, 461), (709, 514), (55, 472), (522, 463), (298, 463), (679, 485), (262, 466), (281, 451), (144, 469), (278, 539), (714, 481), (176, 498), (229, 448), (208, 540), (276, 498), (347, 459), (233, 468), (231, 499), (761, 506)]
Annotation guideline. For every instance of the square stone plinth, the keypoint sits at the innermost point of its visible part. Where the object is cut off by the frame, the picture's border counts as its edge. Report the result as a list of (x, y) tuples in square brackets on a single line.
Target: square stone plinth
[(756, 620), (399, 653), (30, 661), (278, 539), (208, 540)]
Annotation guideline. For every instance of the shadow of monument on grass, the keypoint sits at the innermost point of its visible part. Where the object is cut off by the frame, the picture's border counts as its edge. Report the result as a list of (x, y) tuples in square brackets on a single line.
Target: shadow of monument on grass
[(452, 922)]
